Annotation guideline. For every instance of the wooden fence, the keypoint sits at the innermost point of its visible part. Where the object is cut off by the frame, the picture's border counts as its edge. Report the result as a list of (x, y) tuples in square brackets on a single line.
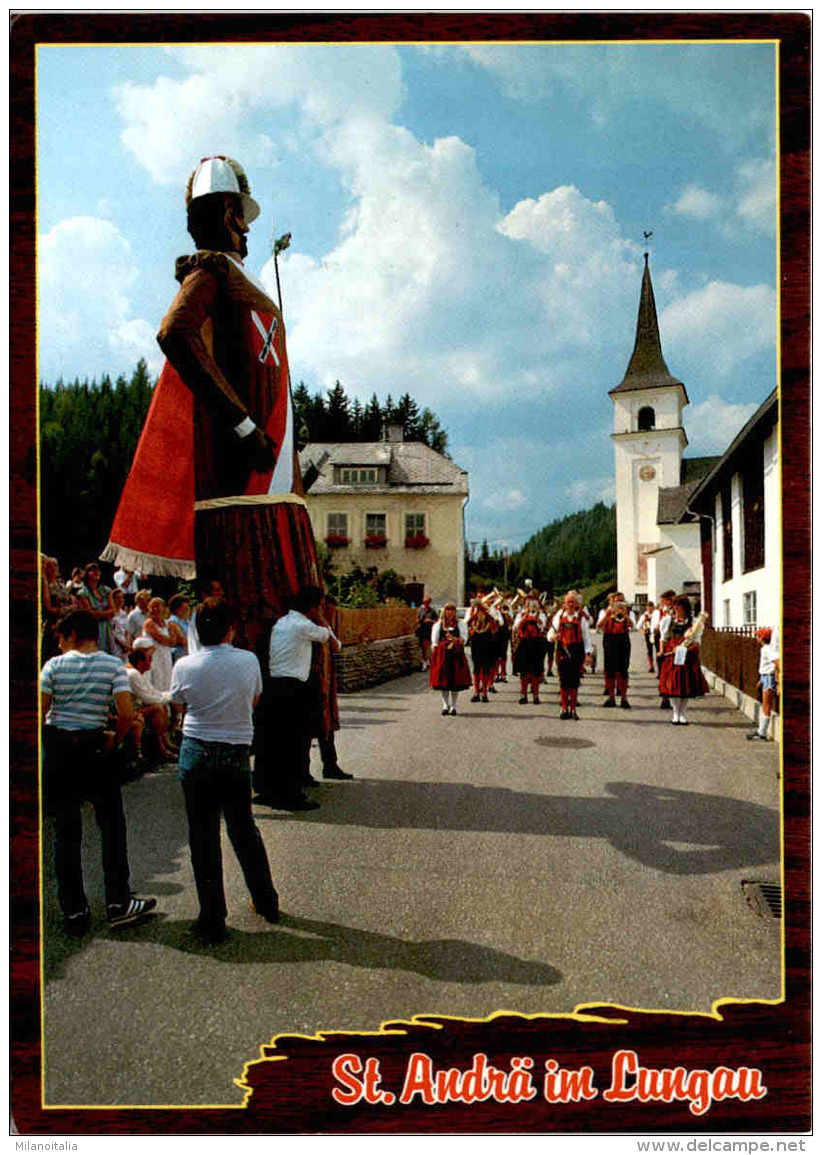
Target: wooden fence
[(356, 626), (733, 655)]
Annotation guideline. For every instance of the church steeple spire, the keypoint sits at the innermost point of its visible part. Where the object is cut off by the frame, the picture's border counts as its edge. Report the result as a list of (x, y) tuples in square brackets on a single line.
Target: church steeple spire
[(647, 368)]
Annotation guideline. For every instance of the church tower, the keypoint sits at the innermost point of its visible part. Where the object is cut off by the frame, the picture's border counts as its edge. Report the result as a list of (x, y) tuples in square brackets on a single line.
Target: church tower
[(648, 443)]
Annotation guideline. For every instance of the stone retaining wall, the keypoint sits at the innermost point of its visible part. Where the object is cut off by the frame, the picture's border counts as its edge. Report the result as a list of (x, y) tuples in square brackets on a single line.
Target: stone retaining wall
[(375, 662)]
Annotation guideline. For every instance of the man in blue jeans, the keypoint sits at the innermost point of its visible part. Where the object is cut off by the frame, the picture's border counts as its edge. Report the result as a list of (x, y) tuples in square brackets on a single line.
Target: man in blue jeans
[(76, 688), (219, 686)]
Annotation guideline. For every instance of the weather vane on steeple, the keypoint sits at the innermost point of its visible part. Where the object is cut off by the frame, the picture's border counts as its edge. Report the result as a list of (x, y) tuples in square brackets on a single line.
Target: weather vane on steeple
[(646, 237)]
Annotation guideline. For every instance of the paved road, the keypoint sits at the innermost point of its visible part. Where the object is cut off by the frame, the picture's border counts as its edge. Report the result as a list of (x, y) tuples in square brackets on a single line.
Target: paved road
[(499, 860)]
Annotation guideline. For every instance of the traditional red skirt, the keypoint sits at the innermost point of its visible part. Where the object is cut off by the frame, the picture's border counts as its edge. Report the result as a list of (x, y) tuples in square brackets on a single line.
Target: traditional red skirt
[(685, 681), (449, 668)]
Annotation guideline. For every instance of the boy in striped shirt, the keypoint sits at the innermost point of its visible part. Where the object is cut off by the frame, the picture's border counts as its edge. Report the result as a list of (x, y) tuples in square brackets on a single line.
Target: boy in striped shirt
[(76, 689)]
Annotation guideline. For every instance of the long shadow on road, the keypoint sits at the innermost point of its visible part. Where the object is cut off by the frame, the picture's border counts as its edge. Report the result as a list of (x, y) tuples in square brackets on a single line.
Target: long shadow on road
[(676, 831), (305, 940)]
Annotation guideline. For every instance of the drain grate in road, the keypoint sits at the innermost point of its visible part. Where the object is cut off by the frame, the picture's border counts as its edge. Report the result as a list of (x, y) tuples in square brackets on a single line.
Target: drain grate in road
[(764, 898)]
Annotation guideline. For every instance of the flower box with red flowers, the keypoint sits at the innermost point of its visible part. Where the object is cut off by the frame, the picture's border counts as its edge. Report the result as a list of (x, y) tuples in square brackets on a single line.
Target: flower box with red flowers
[(417, 541), (376, 541), (337, 541)]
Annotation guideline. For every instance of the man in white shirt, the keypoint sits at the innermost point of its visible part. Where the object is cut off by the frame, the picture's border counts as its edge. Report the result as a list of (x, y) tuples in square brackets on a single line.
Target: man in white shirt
[(137, 617), (285, 720), (220, 686), (153, 705)]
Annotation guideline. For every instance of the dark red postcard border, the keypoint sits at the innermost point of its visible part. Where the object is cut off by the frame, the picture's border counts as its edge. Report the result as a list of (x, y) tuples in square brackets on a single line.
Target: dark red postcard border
[(290, 1096)]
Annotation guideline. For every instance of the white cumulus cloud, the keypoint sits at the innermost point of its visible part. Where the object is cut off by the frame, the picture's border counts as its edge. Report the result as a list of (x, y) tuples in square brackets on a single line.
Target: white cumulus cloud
[(211, 109), (713, 424), (721, 325), (85, 270), (756, 195), (697, 203), (749, 206)]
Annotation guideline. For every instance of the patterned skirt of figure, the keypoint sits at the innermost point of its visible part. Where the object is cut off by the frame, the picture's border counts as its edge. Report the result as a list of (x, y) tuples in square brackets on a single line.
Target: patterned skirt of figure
[(616, 654), (449, 668), (529, 657), (260, 553), (685, 681), (569, 664)]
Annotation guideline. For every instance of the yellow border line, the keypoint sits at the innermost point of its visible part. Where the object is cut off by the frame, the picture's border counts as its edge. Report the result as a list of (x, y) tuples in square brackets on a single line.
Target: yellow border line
[(430, 43)]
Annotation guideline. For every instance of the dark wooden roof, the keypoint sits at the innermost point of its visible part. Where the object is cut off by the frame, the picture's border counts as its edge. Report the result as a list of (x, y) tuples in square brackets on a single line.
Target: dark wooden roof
[(647, 368), (695, 468), (673, 500)]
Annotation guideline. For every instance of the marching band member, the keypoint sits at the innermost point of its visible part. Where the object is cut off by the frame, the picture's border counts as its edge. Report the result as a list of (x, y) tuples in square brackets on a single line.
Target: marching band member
[(574, 646), (616, 625), (681, 677), (482, 628), (449, 668), (529, 645), (666, 601), (645, 628), (503, 639), (550, 643)]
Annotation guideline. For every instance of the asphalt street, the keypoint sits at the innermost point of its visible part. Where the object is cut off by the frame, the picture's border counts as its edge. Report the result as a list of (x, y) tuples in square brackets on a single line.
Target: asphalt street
[(502, 859)]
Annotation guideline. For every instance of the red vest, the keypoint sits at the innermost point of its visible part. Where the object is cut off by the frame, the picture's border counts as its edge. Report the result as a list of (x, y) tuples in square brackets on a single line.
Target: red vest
[(570, 630)]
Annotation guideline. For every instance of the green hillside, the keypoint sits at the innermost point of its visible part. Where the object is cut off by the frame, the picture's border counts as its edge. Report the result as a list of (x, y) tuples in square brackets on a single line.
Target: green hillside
[(577, 550)]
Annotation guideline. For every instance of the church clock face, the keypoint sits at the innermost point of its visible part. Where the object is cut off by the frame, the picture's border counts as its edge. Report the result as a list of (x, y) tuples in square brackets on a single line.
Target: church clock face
[(647, 473)]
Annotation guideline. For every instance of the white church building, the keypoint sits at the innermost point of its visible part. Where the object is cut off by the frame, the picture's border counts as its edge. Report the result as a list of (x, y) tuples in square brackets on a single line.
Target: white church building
[(658, 537), (704, 526)]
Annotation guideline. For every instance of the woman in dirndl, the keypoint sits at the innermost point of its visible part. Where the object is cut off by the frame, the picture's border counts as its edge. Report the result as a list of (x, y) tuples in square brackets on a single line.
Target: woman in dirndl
[(681, 674), (449, 666)]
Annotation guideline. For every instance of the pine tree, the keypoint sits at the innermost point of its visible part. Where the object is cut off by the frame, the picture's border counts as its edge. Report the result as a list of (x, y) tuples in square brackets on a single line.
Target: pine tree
[(432, 433), (407, 414), (301, 400), (372, 420), (338, 425), (356, 420)]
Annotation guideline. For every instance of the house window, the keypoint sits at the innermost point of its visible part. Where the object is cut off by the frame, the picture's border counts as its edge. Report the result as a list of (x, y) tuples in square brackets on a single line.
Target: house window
[(414, 524), (749, 608), (336, 529), (375, 525), (727, 535), (351, 476), (753, 511), (726, 612), (646, 419)]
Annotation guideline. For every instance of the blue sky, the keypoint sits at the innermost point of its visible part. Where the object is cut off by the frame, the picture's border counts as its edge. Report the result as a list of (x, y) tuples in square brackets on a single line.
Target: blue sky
[(467, 226)]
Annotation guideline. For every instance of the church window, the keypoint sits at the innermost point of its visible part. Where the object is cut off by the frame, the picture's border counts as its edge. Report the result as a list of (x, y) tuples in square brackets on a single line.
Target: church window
[(646, 419)]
